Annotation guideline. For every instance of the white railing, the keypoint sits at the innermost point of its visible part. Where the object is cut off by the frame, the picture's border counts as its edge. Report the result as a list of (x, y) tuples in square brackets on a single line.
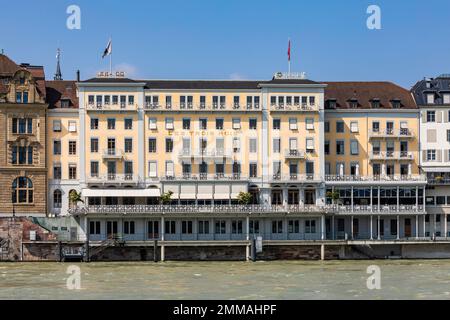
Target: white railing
[(294, 154), (382, 209), (205, 153), (395, 133), (294, 107), (385, 178), (112, 107), (206, 176), (296, 178), (114, 178), (391, 155), (112, 153), (204, 107)]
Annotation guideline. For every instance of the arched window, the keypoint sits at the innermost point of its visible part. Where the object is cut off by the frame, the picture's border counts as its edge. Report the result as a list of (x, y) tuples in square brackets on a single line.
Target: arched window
[(22, 190), (57, 199)]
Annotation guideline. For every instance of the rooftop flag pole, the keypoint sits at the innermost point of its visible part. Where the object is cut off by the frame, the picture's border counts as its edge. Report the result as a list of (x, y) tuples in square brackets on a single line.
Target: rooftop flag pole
[(289, 57), (108, 52)]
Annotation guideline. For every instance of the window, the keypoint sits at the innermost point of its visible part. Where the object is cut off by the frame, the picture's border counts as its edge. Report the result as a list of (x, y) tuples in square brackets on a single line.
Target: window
[(252, 124), (253, 170), (72, 148), (22, 190), (91, 100), (431, 155), (169, 123), (354, 147), (94, 124), (327, 126), (22, 155), (236, 227), (375, 126), (276, 145), (168, 102), (128, 124), (186, 124), (22, 125), (309, 144), (236, 123), (169, 169), (94, 227), (254, 227), (72, 171), (57, 172), (396, 104), (220, 227), (130, 100), (448, 135), (152, 169), (115, 100), (253, 145), (111, 124), (219, 124), (431, 116), (152, 124), (56, 125), (293, 124), (57, 199), (294, 226), (128, 145), (312, 100), (310, 226), (446, 98), (353, 104), (123, 101), (169, 145), (94, 145), (277, 226), (340, 147), (202, 102), (236, 144), (327, 147), (203, 227), (430, 98), (354, 127), (152, 145), (309, 124), (170, 227), (203, 124), (128, 227), (94, 169), (276, 124), (56, 147), (72, 126), (375, 104), (340, 126)]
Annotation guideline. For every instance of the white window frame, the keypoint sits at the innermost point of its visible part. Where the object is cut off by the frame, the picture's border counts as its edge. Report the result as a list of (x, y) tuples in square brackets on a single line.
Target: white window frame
[(293, 124), (354, 127), (309, 123), (72, 126), (153, 173), (152, 124)]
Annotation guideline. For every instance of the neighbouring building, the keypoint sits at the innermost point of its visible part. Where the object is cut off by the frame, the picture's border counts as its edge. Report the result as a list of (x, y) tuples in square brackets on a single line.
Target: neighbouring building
[(433, 98)]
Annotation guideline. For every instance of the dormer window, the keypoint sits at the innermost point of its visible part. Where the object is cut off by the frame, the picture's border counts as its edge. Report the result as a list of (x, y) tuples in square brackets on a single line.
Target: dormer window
[(396, 104), (65, 103), (353, 103), (331, 104), (375, 103), (430, 98), (22, 80)]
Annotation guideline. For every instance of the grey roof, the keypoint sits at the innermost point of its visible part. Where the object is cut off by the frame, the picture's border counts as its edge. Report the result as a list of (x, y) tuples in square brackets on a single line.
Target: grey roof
[(438, 86)]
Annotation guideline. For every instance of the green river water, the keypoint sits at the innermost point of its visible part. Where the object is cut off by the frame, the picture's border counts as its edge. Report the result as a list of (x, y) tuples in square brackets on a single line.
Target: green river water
[(402, 279)]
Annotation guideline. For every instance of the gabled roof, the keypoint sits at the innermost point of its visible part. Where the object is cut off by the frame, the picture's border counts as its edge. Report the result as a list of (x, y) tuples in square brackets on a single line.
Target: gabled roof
[(7, 66), (366, 92), (58, 90)]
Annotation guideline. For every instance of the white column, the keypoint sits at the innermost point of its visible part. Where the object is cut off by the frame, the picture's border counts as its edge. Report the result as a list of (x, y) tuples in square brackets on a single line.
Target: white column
[(398, 227), (445, 226), (371, 227), (417, 226), (323, 227), (285, 196), (162, 239), (379, 233)]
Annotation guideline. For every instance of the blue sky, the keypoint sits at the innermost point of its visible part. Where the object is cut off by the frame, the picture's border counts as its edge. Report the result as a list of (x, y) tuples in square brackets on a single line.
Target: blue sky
[(224, 39)]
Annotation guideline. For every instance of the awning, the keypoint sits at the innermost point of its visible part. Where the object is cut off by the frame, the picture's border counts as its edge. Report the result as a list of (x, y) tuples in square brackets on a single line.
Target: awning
[(205, 191), (152, 192), (436, 169), (174, 188), (236, 189), (187, 191), (222, 192)]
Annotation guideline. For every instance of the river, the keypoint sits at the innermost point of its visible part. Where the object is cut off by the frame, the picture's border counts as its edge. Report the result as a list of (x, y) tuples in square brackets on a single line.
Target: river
[(401, 279)]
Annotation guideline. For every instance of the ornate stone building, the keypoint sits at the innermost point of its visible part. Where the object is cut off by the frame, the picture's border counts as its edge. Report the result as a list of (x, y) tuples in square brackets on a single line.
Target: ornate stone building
[(23, 176)]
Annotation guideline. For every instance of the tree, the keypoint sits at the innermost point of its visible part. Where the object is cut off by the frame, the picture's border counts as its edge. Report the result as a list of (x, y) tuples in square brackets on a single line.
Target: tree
[(166, 197), (74, 198), (334, 195), (244, 198)]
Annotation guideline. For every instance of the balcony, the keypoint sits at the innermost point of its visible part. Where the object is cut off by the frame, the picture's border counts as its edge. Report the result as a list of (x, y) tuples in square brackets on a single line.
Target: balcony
[(193, 209), (375, 180), (298, 178), (206, 177), (113, 154), (112, 178), (376, 210), (112, 107), (294, 154), (295, 107), (391, 133), (203, 107), (391, 155), (204, 154)]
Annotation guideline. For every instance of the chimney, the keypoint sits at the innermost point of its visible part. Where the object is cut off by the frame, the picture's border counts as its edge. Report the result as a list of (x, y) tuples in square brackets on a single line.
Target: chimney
[(78, 75)]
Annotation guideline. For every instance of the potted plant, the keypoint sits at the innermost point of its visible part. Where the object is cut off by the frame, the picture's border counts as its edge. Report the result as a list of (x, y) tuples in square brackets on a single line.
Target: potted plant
[(334, 195), (244, 198), (75, 198), (166, 198)]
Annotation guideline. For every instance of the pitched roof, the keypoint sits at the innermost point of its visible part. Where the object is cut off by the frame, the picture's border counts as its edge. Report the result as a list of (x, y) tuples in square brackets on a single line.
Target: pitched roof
[(7, 66), (437, 86), (61, 90), (365, 92)]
